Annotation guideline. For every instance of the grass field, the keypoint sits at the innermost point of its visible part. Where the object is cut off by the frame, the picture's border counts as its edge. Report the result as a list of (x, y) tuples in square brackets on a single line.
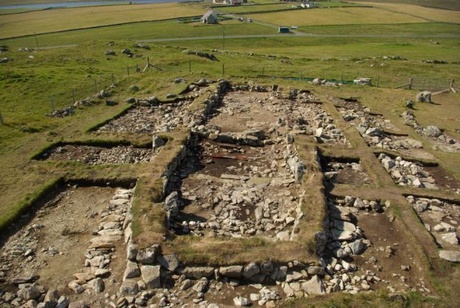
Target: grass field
[(140, 31), (431, 14), (87, 17), (338, 16), (324, 48), (444, 4)]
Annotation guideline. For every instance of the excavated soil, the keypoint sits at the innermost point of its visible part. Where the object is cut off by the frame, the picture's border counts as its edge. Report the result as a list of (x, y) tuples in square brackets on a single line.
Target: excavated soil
[(51, 245), (344, 172), (96, 155)]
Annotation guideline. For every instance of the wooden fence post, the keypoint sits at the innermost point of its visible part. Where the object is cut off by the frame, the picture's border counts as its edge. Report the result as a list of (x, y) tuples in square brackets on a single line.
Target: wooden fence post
[(452, 86)]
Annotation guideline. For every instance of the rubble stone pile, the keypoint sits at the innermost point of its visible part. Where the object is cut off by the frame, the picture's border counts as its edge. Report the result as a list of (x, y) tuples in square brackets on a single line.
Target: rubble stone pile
[(406, 173), (441, 219), (95, 155), (442, 141)]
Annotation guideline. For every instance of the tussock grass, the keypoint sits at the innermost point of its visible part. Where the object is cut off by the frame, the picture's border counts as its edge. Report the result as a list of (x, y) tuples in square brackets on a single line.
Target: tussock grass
[(148, 215), (313, 202), (219, 251), (199, 104), (27, 201), (379, 298)]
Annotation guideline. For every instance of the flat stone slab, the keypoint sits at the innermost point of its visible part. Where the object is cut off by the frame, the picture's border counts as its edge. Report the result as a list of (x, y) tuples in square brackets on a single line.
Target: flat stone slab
[(450, 255)]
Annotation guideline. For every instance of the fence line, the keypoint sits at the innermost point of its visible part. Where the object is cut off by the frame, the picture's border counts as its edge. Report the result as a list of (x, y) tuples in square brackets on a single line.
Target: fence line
[(95, 84), (429, 84), (99, 83)]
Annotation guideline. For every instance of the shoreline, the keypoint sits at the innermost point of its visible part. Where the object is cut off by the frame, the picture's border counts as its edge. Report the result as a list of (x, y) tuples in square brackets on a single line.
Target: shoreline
[(59, 5)]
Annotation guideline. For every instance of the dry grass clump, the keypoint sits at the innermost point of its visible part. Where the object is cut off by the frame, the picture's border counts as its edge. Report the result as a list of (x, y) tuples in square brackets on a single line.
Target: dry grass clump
[(221, 251)]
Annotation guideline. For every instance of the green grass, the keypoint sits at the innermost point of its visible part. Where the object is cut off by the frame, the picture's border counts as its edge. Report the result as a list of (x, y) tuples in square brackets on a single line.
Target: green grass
[(248, 9), (138, 31), (89, 17), (35, 80), (27, 201), (410, 29), (338, 16), (444, 4)]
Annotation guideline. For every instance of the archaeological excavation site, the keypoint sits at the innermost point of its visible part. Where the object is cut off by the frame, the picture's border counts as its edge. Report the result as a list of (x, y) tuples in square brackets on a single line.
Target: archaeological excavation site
[(232, 194)]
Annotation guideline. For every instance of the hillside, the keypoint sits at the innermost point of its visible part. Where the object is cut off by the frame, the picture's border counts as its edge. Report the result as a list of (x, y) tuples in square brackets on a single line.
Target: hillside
[(147, 158)]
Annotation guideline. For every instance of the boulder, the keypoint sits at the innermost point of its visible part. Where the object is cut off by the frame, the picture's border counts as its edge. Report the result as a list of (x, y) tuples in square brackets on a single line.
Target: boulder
[(234, 271), (363, 81), (172, 204), (29, 292), (201, 285), (157, 142), (148, 255), (344, 225), (423, 97), (450, 238), (314, 286), (169, 262), (132, 270), (266, 267), (432, 131), (63, 302), (297, 167), (198, 272), (250, 270), (74, 286), (97, 285), (358, 247), (51, 298), (129, 287), (240, 301), (315, 270), (151, 275), (450, 255)]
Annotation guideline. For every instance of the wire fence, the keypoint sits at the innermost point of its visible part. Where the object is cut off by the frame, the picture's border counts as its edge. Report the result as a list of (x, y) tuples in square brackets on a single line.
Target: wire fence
[(95, 86), (82, 93), (430, 84)]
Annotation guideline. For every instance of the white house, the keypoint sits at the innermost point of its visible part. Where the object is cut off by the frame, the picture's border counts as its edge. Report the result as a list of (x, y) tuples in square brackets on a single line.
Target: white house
[(209, 17), (229, 2), (308, 5)]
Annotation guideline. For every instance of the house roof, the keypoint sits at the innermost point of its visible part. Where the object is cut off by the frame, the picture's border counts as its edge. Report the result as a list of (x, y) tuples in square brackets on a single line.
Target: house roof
[(210, 13)]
